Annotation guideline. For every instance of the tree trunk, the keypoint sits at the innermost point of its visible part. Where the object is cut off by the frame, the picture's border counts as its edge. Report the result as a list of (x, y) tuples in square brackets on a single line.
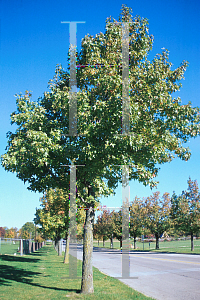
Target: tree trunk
[(56, 245), (134, 242), (111, 242), (59, 248), (103, 242), (98, 242), (192, 242), (66, 257), (87, 273), (121, 243), (157, 241)]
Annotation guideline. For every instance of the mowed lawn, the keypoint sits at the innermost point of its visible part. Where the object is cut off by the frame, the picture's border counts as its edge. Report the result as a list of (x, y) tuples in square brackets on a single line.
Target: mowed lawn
[(180, 246), (42, 275), (9, 248)]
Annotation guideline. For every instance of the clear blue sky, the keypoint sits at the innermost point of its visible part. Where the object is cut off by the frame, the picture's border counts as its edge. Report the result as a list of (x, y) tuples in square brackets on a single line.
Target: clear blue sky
[(33, 41)]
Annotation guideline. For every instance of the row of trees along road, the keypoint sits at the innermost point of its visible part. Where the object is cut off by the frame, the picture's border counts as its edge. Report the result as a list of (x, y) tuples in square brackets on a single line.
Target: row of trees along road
[(155, 214), (53, 218), (40, 149)]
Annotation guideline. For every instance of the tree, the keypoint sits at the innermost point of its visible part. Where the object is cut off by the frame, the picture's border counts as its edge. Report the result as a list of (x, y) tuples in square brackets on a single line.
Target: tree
[(25, 235), (104, 226), (117, 230), (2, 232), (15, 230), (157, 214), (41, 148), (28, 230), (10, 234), (185, 210), (97, 233), (137, 218), (53, 217)]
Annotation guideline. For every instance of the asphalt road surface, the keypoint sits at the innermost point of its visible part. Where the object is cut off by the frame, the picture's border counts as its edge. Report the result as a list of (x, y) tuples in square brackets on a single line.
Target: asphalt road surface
[(161, 276)]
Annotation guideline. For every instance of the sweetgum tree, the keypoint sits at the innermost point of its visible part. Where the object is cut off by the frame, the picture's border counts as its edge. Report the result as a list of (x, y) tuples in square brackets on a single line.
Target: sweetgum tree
[(104, 226), (53, 217), (157, 214), (40, 149), (185, 210), (137, 218)]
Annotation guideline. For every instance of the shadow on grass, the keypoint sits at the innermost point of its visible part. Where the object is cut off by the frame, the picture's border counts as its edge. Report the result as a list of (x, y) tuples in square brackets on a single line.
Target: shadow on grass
[(19, 275), (9, 273), (18, 258), (35, 254)]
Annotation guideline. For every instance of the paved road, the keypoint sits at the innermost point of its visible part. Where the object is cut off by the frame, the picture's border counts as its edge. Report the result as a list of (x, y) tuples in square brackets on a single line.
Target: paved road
[(161, 276)]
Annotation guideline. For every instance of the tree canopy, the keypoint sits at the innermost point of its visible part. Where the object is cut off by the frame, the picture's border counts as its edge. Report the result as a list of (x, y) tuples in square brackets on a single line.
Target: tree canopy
[(53, 216), (157, 211), (137, 218), (28, 231), (186, 210)]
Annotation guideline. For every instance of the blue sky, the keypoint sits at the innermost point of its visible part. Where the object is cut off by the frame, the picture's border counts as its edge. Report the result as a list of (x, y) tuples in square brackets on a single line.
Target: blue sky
[(33, 41)]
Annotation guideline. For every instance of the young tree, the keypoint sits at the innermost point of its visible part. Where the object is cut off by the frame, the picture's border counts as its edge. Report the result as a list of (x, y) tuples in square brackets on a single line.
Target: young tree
[(10, 233), (2, 232), (53, 217), (25, 235), (117, 230), (41, 148), (16, 231), (185, 210), (28, 231), (104, 226), (97, 233), (137, 218), (157, 214)]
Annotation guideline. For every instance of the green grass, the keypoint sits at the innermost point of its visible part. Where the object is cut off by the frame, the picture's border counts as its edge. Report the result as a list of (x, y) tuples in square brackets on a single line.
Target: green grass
[(8, 247), (165, 246), (42, 275), (116, 244)]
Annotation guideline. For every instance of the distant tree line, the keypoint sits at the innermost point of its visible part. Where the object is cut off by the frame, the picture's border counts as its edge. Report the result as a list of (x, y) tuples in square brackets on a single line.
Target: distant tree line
[(155, 215), (27, 231)]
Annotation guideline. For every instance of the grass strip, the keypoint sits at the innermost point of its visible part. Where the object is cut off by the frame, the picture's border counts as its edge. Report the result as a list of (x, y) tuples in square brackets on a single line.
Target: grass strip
[(42, 275), (165, 246)]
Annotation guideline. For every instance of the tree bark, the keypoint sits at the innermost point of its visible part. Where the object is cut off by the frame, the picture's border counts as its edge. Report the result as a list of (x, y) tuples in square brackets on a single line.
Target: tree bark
[(134, 242), (121, 243), (56, 245), (59, 248), (111, 242), (66, 257), (87, 273), (103, 242), (157, 241), (192, 242)]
